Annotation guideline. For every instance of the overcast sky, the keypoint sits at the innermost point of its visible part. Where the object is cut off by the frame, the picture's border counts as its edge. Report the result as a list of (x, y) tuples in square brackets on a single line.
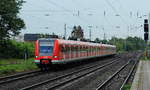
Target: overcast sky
[(120, 18)]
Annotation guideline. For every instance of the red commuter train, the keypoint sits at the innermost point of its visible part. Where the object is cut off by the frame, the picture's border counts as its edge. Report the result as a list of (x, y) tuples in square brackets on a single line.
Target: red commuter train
[(58, 51)]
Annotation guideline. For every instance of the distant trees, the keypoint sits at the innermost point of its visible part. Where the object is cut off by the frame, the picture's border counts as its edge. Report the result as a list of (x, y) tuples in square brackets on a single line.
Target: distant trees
[(77, 33), (10, 22), (97, 40), (131, 44), (128, 44)]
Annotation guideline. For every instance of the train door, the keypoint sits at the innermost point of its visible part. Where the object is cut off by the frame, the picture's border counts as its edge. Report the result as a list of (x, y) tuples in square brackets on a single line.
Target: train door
[(81, 48), (86, 47), (89, 50), (70, 52), (79, 51), (96, 51), (101, 50), (67, 52), (63, 52), (74, 53)]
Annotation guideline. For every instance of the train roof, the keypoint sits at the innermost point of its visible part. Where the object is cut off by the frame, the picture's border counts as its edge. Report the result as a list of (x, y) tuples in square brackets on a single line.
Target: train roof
[(61, 41), (70, 42)]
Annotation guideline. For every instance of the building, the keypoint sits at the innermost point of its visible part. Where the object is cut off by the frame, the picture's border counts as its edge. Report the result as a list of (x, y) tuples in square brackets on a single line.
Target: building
[(34, 37)]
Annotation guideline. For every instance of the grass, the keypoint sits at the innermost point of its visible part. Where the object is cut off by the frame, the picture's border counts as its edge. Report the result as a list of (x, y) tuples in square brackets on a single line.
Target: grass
[(11, 66), (144, 58), (127, 87)]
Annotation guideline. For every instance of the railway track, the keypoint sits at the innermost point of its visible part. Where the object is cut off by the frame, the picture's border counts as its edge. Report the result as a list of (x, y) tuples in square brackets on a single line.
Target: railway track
[(66, 78), (21, 83), (15, 77), (128, 77), (107, 85), (91, 82)]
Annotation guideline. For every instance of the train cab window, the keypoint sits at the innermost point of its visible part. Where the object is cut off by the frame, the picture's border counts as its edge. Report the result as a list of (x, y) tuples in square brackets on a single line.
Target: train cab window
[(46, 47)]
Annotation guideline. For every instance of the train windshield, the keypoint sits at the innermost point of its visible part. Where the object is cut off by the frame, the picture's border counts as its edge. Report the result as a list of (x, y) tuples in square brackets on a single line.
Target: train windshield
[(46, 47)]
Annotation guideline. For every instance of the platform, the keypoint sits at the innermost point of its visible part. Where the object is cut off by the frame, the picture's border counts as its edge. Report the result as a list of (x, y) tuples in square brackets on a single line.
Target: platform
[(142, 77)]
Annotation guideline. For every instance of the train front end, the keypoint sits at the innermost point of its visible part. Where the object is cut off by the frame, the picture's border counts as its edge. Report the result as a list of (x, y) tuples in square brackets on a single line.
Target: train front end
[(44, 52)]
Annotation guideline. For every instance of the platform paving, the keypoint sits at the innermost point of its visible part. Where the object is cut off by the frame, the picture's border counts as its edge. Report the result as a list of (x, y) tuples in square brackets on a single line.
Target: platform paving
[(142, 77)]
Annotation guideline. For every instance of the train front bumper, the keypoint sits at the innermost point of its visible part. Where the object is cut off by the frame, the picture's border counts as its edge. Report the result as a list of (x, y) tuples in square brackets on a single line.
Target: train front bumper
[(43, 61), (37, 61)]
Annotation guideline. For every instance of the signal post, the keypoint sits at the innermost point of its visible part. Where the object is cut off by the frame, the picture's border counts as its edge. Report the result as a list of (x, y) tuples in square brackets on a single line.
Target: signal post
[(146, 34)]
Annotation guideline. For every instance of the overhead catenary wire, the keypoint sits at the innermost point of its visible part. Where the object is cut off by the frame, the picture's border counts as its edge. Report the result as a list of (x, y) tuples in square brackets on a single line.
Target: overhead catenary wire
[(114, 9), (126, 11), (62, 7)]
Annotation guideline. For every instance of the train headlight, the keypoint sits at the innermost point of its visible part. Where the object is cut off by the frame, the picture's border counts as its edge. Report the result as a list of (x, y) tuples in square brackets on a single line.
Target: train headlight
[(55, 56), (36, 56)]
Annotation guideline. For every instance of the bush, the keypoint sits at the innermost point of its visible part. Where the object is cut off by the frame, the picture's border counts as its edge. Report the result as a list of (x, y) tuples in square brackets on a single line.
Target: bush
[(24, 65), (13, 49)]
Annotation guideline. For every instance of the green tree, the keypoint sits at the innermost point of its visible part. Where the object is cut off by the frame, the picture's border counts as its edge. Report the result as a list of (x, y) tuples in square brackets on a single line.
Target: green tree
[(97, 40), (10, 23), (77, 33), (128, 44)]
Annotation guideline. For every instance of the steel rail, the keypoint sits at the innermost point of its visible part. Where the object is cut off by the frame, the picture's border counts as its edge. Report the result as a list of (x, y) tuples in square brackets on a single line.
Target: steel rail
[(128, 77), (66, 75), (15, 77), (110, 78)]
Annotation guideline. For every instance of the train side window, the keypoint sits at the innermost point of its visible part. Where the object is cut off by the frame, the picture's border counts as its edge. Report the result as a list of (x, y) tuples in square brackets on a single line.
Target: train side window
[(70, 48), (63, 49), (90, 49), (87, 48), (67, 49), (73, 49), (77, 48)]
